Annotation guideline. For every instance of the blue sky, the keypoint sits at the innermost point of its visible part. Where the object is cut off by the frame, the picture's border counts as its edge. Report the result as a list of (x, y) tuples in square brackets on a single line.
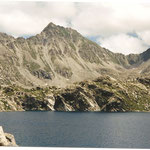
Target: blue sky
[(119, 25)]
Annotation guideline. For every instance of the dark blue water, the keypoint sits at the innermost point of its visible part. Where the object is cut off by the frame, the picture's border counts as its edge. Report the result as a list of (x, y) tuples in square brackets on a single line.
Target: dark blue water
[(78, 129)]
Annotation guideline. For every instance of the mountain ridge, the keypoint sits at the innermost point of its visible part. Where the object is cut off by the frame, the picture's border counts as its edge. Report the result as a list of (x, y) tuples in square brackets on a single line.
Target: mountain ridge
[(61, 70), (60, 56)]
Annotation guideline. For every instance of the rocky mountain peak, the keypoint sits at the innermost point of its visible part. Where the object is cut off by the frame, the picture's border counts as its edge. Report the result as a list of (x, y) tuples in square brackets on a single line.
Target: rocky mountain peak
[(49, 27), (5, 37), (52, 30), (145, 55), (60, 56)]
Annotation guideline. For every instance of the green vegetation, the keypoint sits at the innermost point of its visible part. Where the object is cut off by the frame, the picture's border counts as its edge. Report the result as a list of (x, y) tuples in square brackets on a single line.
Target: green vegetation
[(88, 54), (63, 71), (32, 66), (101, 94), (72, 46), (33, 54), (64, 32)]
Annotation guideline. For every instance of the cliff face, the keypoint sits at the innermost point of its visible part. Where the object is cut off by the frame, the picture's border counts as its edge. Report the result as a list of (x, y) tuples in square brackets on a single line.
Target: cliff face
[(101, 94)]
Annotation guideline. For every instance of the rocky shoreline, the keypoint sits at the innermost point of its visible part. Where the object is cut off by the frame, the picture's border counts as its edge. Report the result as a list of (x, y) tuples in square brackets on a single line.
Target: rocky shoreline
[(105, 94), (6, 139)]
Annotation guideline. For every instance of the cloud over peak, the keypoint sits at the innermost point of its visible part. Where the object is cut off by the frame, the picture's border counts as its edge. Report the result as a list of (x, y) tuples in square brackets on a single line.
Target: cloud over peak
[(123, 43), (108, 21)]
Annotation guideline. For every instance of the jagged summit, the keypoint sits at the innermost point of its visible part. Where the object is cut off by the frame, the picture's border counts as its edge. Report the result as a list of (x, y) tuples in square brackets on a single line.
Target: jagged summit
[(145, 55), (60, 56), (5, 37), (56, 30), (57, 57), (49, 26)]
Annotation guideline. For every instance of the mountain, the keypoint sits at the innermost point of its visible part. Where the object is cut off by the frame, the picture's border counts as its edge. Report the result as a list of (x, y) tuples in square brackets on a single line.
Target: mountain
[(61, 70), (58, 56)]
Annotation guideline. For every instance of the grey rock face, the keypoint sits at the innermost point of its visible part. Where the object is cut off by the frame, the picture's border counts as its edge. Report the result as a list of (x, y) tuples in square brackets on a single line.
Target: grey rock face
[(101, 94), (59, 56), (6, 139), (42, 74)]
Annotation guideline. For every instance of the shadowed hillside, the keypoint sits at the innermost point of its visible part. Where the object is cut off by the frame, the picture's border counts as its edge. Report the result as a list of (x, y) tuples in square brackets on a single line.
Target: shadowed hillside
[(38, 73)]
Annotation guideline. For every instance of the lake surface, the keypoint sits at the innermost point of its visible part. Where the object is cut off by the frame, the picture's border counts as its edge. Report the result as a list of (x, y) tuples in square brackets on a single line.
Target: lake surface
[(78, 129)]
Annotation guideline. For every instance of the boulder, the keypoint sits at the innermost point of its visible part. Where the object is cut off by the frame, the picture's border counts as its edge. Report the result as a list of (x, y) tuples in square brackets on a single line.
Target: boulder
[(6, 139)]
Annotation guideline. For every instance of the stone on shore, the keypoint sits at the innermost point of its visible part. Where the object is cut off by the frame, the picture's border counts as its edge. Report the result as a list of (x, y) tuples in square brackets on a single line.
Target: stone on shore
[(6, 139)]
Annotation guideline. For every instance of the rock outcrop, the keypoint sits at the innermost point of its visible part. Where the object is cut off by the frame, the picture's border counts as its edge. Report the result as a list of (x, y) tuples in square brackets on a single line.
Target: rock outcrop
[(6, 139), (61, 56), (101, 94), (61, 70)]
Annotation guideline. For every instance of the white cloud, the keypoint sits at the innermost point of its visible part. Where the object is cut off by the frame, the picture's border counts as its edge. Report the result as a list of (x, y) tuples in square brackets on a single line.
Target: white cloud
[(145, 36), (123, 43), (20, 18), (109, 19)]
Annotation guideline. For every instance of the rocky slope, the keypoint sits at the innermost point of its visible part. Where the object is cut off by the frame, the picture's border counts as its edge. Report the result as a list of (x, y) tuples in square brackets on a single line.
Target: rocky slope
[(100, 94), (59, 56), (38, 73)]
